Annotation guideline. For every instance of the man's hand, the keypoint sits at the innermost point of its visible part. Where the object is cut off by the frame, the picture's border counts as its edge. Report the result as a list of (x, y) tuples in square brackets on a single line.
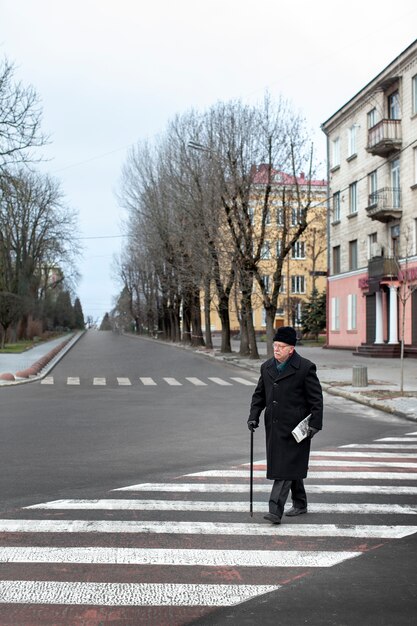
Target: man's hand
[(252, 424), (312, 431)]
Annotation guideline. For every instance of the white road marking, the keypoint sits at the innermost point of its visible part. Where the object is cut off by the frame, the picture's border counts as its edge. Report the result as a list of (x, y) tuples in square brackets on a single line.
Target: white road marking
[(196, 381), (173, 382), (352, 454), (205, 528), (379, 446), (223, 506), (220, 381), (324, 475), (147, 381), (344, 454), (243, 381), (123, 381), (127, 594), (99, 381), (161, 556), (402, 439), (342, 463), (73, 380), (48, 380), (266, 488)]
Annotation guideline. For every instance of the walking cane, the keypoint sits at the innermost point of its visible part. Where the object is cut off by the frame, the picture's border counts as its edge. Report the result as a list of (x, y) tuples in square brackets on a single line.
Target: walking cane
[(251, 473)]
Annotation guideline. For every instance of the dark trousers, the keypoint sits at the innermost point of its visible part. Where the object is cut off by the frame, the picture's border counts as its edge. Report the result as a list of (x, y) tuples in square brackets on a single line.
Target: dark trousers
[(279, 495)]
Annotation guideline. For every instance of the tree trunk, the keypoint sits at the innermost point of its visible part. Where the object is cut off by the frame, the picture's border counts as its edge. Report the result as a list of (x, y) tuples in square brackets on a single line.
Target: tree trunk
[(207, 320), (270, 329), (225, 322), (197, 333)]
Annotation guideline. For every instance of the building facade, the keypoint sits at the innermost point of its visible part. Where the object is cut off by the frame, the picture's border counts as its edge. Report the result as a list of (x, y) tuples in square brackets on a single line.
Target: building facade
[(372, 214), (304, 267)]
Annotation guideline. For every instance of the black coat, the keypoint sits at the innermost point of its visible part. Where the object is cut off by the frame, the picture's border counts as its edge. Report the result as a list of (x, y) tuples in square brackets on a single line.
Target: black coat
[(287, 398)]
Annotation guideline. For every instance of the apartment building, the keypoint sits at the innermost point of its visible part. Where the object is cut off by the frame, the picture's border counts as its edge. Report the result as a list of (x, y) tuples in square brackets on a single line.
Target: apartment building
[(372, 214), (305, 267)]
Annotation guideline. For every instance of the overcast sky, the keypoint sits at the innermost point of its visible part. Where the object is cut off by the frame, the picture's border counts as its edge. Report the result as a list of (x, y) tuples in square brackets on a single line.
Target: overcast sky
[(110, 74)]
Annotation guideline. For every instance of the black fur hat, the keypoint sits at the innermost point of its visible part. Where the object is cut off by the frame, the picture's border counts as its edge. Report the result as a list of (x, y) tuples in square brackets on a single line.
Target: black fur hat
[(287, 335)]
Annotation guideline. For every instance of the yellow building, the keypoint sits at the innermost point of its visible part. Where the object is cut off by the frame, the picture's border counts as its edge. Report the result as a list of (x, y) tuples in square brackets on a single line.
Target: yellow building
[(304, 267)]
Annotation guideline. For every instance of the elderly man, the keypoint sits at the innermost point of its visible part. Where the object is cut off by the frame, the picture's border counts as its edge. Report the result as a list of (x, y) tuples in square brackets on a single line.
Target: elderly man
[(289, 390)]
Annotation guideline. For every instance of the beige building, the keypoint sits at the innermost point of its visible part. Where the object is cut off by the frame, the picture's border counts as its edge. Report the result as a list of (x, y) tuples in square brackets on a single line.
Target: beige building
[(372, 211), (305, 267)]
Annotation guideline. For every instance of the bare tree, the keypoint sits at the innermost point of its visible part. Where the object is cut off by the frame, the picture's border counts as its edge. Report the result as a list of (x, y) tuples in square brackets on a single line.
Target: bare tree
[(20, 119), (407, 284), (37, 236)]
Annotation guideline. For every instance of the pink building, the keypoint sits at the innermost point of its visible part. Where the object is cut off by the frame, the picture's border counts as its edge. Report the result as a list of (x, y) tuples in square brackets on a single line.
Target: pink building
[(372, 214)]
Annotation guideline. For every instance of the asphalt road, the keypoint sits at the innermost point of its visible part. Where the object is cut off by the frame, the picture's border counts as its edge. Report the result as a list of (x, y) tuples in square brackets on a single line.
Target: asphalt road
[(81, 440)]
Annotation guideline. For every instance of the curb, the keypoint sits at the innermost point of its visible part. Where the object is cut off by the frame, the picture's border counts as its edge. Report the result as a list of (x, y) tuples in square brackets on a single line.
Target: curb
[(40, 368)]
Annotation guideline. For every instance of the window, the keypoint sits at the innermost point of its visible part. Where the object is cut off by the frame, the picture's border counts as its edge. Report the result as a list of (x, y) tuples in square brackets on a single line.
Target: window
[(353, 254), (251, 212), (336, 152), (414, 94), (353, 198), (298, 251), (279, 248), (268, 218), (280, 216), (297, 284), (351, 312), (336, 259), (395, 182), (336, 206), (415, 236), (283, 287), (266, 251), (352, 131), (373, 248), (372, 118), (415, 165), (395, 240), (266, 282), (394, 106), (296, 216), (372, 187), (335, 319)]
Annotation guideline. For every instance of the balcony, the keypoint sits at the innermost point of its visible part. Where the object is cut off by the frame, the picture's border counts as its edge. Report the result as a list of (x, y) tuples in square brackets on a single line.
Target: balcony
[(382, 268), (384, 138), (384, 205)]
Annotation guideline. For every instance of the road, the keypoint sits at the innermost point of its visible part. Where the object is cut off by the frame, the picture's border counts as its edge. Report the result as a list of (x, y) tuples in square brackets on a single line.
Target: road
[(131, 456)]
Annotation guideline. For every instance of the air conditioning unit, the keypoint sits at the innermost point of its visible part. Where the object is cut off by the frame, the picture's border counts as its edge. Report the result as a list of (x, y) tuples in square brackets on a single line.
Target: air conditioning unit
[(376, 249)]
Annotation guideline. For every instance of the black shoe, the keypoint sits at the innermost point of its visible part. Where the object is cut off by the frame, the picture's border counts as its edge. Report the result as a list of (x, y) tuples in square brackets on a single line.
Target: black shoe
[(272, 518), (293, 511)]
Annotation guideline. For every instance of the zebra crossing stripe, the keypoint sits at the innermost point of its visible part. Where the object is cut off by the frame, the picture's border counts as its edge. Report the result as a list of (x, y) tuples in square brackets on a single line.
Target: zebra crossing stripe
[(99, 381), (161, 556), (324, 475), (399, 439), (379, 446), (127, 594), (220, 381), (73, 380), (196, 381), (353, 454), (242, 381), (123, 381), (173, 382), (213, 506), (266, 488), (205, 528), (147, 381), (48, 380)]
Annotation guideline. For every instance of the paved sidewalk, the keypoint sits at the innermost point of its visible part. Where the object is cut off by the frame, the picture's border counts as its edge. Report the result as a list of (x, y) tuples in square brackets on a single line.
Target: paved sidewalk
[(35, 363), (335, 371)]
